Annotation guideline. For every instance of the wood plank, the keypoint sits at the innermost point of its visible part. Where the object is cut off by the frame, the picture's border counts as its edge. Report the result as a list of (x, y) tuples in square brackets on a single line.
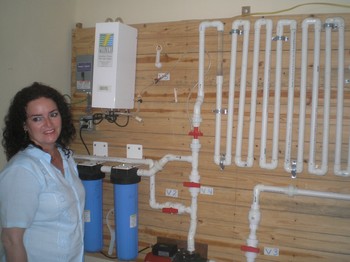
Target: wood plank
[(303, 228)]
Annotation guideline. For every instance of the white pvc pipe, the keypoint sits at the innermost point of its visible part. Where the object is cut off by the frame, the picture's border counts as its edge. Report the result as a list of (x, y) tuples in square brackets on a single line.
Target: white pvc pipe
[(154, 167), (243, 85), (226, 159), (196, 120), (339, 23), (250, 155), (195, 145), (291, 85), (262, 160), (255, 214), (312, 166), (148, 162), (303, 81)]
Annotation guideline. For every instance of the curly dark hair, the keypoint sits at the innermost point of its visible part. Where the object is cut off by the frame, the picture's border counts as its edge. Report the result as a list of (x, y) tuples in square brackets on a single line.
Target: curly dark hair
[(14, 137)]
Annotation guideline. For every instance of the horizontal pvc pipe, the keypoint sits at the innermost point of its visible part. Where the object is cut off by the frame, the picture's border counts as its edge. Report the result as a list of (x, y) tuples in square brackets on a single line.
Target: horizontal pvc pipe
[(294, 191), (148, 162)]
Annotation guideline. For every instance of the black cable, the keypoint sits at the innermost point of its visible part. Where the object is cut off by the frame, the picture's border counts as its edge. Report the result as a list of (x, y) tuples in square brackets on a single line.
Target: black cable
[(111, 117), (144, 249), (97, 118), (115, 257), (127, 122), (81, 138)]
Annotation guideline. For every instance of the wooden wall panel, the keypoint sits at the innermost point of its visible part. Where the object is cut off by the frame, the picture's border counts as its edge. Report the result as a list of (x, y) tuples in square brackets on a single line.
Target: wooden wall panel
[(303, 228)]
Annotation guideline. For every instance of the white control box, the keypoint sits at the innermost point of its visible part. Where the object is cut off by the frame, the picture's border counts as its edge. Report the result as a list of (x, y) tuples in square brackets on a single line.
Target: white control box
[(114, 66)]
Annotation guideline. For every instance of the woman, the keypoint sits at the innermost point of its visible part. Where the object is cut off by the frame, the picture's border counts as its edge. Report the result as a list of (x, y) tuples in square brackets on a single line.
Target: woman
[(41, 195)]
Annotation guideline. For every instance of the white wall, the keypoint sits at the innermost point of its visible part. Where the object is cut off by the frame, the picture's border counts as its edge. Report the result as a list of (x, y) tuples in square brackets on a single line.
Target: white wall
[(148, 11), (35, 46), (36, 34)]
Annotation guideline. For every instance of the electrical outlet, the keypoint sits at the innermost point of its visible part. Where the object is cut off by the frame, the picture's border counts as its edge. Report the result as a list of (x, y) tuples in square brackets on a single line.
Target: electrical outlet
[(86, 122)]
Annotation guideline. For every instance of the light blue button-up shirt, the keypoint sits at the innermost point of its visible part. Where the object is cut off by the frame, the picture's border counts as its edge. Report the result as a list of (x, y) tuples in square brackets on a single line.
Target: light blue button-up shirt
[(35, 195)]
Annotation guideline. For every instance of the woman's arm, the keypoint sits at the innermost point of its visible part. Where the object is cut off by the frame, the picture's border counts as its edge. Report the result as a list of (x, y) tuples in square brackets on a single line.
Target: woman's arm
[(12, 240)]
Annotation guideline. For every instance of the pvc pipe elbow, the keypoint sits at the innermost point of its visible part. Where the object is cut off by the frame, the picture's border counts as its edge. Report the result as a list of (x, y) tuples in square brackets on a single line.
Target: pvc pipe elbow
[(218, 24), (217, 159), (339, 172), (239, 162), (317, 171)]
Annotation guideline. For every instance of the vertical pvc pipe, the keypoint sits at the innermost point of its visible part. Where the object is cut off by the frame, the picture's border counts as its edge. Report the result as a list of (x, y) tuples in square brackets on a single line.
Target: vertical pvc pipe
[(92, 179), (262, 161), (290, 108), (339, 23), (250, 158), (303, 82), (243, 86), (195, 145), (312, 166), (219, 81), (125, 182), (218, 158)]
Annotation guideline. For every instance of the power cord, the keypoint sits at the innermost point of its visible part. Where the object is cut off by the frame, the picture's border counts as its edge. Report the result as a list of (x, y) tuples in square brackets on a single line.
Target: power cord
[(81, 137), (112, 117)]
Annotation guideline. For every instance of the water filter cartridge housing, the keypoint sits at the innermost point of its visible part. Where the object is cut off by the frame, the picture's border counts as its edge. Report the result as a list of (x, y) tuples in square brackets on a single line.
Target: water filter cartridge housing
[(92, 179), (114, 68), (125, 180)]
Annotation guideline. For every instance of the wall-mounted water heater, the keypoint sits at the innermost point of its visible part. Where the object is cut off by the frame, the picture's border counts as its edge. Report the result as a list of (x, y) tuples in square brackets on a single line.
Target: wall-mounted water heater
[(114, 66)]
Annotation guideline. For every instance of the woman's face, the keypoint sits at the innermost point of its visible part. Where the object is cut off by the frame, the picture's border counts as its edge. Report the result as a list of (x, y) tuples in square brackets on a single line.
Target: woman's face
[(43, 122)]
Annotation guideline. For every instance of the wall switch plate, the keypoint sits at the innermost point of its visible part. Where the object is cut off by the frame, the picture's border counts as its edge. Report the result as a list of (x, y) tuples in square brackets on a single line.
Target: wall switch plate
[(100, 148)]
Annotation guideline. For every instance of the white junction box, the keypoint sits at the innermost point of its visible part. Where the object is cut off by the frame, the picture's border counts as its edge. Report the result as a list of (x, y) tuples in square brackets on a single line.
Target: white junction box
[(114, 66), (100, 148), (134, 151)]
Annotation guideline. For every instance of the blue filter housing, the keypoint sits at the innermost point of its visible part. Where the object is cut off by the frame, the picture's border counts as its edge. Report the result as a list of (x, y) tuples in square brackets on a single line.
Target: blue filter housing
[(125, 180), (92, 179)]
